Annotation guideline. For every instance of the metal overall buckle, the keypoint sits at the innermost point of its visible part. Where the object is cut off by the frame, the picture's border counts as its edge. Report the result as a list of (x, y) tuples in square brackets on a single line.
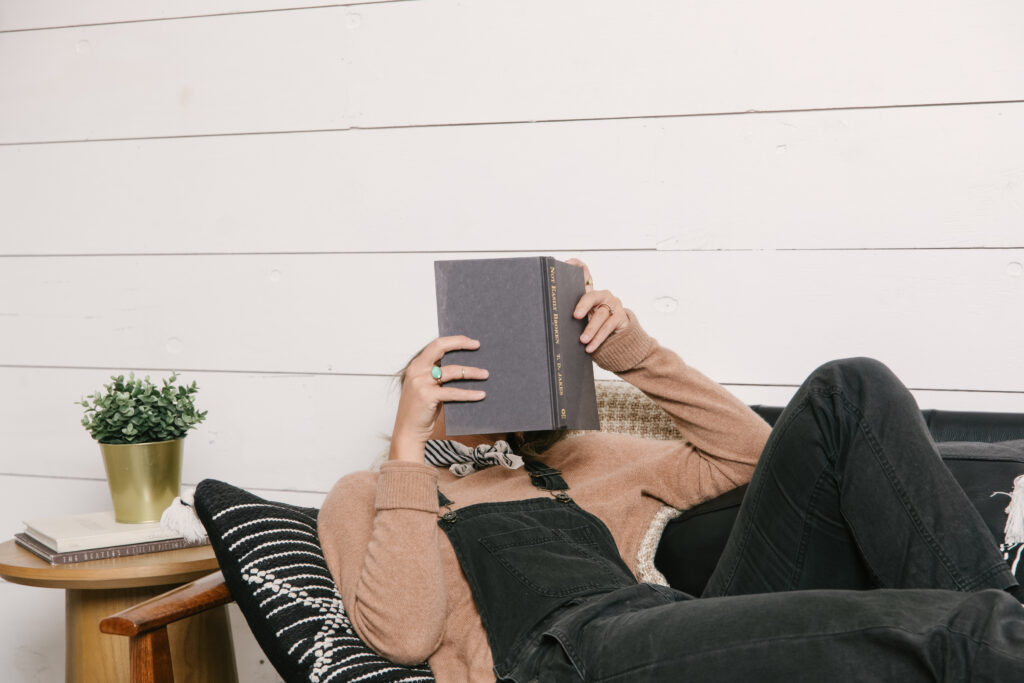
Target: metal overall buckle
[(445, 502)]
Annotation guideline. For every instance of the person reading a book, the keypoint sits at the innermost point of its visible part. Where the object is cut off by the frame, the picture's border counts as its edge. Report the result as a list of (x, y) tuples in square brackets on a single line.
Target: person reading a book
[(514, 555)]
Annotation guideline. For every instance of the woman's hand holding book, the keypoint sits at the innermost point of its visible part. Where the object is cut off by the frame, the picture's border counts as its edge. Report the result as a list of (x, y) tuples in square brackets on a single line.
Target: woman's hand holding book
[(605, 313), (419, 416)]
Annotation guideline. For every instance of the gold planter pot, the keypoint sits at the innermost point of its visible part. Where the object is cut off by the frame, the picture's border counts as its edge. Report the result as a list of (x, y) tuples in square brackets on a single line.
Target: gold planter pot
[(144, 478)]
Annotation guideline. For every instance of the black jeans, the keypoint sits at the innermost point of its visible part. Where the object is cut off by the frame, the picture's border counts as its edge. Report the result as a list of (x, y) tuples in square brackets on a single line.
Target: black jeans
[(849, 493)]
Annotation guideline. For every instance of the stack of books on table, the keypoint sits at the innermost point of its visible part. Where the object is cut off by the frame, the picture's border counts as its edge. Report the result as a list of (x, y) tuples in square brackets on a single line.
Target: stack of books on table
[(96, 536)]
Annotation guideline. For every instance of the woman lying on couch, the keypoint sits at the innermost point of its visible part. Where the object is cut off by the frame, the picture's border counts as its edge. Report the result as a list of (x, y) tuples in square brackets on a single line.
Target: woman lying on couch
[(524, 571)]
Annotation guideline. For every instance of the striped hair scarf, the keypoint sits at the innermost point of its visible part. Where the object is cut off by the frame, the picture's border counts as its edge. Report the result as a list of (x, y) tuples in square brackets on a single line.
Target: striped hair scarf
[(462, 460)]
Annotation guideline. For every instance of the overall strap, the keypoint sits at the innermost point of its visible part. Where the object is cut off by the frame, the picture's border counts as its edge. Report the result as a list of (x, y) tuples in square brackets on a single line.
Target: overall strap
[(544, 477)]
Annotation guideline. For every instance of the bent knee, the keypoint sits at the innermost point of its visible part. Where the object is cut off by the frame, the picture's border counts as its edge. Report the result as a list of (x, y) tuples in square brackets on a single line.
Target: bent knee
[(857, 372)]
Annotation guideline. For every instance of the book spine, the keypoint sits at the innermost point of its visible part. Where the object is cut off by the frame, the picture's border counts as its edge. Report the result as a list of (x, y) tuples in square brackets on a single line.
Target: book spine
[(560, 419), (122, 551), (111, 552), (32, 548)]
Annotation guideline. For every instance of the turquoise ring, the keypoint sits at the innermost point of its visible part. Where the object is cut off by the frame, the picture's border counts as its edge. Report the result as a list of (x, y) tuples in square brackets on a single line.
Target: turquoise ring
[(435, 372)]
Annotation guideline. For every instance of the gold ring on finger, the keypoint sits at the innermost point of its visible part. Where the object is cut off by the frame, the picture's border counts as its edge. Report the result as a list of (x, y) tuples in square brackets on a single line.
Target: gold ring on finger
[(463, 373), (435, 372), (611, 311)]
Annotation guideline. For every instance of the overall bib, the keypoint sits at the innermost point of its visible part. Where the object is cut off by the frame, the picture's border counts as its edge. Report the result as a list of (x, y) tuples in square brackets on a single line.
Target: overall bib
[(538, 570)]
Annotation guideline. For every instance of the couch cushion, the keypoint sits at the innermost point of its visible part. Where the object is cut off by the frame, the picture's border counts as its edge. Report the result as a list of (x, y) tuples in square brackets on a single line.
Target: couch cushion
[(274, 567), (692, 542), (986, 472), (624, 409)]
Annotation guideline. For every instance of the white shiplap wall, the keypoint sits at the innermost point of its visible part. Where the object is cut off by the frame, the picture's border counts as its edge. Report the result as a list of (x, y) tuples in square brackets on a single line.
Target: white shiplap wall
[(254, 193)]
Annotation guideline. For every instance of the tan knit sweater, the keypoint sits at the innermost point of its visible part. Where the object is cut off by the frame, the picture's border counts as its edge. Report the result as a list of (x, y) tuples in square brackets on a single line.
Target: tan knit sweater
[(397, 573)]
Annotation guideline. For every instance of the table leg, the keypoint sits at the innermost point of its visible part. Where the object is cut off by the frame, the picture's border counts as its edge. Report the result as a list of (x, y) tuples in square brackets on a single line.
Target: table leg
[(201, 647)]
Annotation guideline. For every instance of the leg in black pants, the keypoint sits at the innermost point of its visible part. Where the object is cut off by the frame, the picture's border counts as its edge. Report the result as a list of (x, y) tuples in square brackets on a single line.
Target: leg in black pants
[(905, 635), (850, 492)]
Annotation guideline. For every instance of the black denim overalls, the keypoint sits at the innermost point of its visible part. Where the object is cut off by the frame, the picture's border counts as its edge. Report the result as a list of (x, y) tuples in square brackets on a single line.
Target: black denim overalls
[(558, 604), (531, 566)]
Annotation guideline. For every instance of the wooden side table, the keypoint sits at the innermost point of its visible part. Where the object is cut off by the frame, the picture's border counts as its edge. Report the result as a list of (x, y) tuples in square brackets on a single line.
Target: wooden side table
[(201, 647)]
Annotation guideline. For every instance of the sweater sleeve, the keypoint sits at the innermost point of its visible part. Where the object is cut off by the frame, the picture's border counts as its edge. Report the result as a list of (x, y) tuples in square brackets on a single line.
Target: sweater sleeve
[(379, 535), (722, 432)]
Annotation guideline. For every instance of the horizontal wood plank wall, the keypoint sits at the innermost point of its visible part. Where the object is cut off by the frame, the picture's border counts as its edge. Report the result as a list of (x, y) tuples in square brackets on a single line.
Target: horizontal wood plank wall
[(32, 15), (253, 193), (275, 432), (743, 316), (908, 178), (440, 62), (268, 431)]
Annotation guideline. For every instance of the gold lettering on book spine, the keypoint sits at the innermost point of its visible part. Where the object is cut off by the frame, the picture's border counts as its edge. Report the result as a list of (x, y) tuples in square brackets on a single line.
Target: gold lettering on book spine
[(554, 315), (554, 302)]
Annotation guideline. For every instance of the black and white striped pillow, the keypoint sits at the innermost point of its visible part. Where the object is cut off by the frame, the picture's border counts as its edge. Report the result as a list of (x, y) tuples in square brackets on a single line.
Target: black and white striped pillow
[(274, 567)]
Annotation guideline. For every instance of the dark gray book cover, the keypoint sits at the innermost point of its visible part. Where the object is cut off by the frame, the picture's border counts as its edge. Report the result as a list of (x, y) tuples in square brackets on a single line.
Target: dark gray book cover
[(541, 376)]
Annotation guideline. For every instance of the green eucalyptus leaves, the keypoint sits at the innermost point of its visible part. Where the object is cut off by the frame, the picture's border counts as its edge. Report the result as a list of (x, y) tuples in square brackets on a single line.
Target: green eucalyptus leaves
[(137, 411)]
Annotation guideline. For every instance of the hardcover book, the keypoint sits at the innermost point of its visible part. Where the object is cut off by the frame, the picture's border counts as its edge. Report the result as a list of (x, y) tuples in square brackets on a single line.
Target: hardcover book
[(55, 558), (93, 530), (541, 376)]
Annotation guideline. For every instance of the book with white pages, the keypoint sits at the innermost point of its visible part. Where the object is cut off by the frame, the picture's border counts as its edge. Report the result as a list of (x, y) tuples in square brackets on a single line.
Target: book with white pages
[(93, 530)]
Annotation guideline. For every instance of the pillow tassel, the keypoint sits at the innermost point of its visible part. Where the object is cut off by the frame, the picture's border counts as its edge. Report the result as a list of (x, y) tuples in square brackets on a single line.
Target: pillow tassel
[(1013, 533), (180, 517)]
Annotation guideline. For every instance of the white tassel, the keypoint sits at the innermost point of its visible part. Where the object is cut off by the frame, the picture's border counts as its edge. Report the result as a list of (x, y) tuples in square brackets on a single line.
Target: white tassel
[(180, 517), (1013, 533), (1016, 562)]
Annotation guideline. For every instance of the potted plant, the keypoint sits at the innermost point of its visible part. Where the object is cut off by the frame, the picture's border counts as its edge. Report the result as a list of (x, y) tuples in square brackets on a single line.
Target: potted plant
[(141, 428)]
